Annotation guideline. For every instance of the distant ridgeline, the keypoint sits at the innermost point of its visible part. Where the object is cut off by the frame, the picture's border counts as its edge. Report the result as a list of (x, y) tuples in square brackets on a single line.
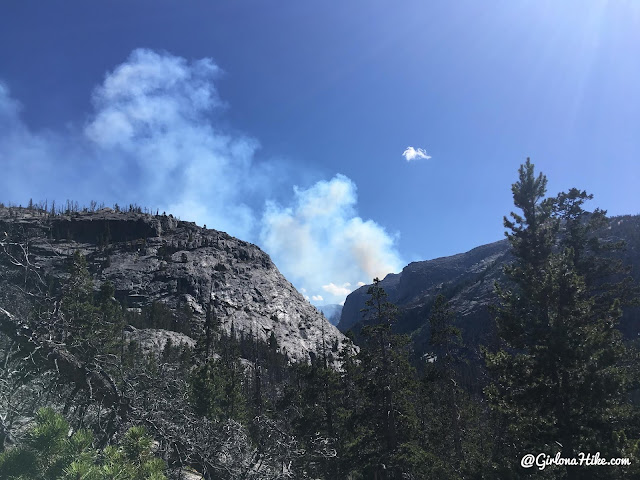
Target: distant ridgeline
[(467, 281)]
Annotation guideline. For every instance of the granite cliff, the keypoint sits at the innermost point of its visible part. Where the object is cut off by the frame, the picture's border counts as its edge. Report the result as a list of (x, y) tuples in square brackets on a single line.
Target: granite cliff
[(158, 258)]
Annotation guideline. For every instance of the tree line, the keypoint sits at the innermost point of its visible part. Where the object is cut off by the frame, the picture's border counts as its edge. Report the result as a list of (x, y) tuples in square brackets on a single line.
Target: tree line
[(53, 209)]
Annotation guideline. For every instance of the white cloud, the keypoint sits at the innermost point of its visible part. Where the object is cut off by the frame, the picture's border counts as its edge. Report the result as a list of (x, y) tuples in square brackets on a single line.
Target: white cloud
[(414, 153), (317, 298), (320, 243)]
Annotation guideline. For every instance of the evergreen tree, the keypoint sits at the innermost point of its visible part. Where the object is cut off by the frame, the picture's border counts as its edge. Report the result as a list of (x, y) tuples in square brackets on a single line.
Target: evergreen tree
[(558, 380), (382, 444), (77, 302), (92, 327), (350, 407), (453, 435), (50, 453), (309, 400), (216, 385), (377, 364), (445, 338)]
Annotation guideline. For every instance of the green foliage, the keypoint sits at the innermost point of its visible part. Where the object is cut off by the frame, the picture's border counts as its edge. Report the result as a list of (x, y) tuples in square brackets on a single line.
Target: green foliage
[(378, 311), (442, 393), (310, 401), (216, 389), (424, 464), (91, 324), (50, 452), (380, 417), (559, 378), (77, 300), (445, 337)]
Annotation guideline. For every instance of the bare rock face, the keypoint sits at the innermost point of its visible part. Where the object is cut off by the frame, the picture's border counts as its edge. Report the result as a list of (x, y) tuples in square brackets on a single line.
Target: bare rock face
[(154, 340), (157, 258), (467, 280)]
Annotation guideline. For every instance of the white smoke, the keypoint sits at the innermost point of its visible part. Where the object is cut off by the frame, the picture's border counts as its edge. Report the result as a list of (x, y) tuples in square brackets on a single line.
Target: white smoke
[(153, 139), (321, 243), (152, 114)]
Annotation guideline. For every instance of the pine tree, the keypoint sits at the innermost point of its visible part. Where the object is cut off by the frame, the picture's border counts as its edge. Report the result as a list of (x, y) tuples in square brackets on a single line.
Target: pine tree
[(446, 338), (91, 327), (216, 385), (558, 380), (382, 444), (378, 363), (78, 310), (51, 453)]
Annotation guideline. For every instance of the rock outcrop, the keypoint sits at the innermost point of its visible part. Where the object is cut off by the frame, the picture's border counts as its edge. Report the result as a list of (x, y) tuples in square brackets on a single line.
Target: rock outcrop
[(158, 258), (465, 279)]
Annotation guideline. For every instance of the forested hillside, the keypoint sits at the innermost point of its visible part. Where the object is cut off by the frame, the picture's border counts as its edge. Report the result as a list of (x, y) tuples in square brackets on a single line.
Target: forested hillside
[(136, 346)]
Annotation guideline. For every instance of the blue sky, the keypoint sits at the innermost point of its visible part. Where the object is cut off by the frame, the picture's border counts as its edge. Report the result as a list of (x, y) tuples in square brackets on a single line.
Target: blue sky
[(285, 123)]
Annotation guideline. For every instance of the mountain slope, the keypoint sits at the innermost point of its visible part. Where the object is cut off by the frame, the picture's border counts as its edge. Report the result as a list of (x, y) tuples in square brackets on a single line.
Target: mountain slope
[(161, 259), (467, 281)]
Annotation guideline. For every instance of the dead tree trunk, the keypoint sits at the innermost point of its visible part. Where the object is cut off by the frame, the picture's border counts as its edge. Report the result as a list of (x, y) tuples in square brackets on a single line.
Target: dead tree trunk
[(49, 354)]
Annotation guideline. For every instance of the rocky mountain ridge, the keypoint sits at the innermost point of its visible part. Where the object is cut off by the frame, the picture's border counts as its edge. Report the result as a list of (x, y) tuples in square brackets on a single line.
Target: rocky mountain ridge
[(158, 258), (467, 281)]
